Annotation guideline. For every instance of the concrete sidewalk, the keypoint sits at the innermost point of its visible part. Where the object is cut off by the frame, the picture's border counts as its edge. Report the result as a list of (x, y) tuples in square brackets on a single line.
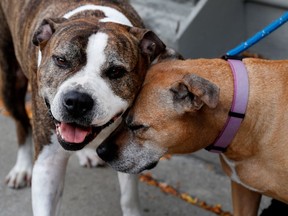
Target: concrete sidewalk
[(96, 191)]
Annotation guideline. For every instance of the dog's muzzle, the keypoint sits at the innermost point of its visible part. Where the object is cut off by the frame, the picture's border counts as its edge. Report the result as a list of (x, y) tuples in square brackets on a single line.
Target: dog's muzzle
[(76, 132)]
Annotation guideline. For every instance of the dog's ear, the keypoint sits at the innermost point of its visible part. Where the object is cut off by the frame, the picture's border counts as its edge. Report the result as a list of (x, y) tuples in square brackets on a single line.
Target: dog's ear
[(168, 54), (150, 44), (45, 31), (193, 91)]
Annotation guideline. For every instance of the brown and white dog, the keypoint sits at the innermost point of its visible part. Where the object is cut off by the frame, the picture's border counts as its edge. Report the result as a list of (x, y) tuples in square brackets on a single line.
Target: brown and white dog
[(85, 61), (183, 106)]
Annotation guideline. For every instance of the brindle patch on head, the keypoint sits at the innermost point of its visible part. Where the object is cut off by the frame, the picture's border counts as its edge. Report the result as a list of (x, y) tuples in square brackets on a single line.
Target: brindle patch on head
[(69, 43), (128, 63)]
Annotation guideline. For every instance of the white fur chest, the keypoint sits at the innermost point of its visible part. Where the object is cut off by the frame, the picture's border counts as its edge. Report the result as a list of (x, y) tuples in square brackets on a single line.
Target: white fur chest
[(234, 176)]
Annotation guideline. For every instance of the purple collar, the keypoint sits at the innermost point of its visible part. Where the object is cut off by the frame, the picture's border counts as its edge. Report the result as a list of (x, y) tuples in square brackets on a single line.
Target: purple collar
[(238, 108)]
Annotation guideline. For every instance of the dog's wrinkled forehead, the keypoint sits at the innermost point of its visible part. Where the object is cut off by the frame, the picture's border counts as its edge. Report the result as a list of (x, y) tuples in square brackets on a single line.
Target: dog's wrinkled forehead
[(70, 44), (72, 41)]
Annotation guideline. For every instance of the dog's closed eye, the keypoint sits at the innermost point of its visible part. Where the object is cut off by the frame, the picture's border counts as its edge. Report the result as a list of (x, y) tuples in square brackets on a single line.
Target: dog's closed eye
[(134, 126), (137, 127)]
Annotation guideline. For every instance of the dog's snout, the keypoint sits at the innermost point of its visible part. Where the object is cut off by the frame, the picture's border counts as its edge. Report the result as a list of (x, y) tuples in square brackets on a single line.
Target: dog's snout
[(77, 103), (106, 152)]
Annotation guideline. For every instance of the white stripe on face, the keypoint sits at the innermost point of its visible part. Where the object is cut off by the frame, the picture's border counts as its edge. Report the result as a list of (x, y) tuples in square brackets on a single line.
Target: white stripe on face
[(89, 79), (112, 15)]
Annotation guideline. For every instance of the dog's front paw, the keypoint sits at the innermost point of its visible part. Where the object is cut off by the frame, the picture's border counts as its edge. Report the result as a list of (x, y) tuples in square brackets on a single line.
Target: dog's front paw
[(19, 176), (89, 158)]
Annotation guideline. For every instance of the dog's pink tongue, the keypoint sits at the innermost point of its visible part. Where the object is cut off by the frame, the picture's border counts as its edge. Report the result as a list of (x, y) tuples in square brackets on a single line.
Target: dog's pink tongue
[(73, 134)]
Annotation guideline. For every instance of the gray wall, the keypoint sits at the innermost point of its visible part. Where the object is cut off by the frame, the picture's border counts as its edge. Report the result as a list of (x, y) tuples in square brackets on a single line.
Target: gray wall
[(258, 15), (213, 27), (216, 26)]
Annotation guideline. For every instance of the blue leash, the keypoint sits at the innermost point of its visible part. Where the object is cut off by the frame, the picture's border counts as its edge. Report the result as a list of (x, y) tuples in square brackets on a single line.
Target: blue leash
[(258, 36)]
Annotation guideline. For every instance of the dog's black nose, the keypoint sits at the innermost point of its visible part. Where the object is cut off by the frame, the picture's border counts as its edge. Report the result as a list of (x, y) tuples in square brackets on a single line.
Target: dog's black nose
[(107, 151), (77, 103)]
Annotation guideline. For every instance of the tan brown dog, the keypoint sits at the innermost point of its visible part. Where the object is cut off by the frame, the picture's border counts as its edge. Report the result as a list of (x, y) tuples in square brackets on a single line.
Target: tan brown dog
[(184, 105)]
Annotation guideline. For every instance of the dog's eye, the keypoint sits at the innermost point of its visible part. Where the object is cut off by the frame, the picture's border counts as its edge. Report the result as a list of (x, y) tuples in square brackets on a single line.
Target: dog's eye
[(137, 127), (61, 62), (115, 72)]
